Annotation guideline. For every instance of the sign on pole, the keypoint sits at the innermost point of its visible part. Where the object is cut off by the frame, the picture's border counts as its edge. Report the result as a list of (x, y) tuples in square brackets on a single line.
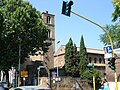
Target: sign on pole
[(108, 51)]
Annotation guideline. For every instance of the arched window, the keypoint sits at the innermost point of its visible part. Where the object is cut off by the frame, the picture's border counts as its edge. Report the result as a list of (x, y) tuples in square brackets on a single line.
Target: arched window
[(48, 19), (90, 59), (48, 33), (95, 60), (100, 60)]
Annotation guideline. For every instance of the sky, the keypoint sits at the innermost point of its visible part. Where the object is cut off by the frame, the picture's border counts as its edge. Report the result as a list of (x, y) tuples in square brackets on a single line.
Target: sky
[(99, 11)]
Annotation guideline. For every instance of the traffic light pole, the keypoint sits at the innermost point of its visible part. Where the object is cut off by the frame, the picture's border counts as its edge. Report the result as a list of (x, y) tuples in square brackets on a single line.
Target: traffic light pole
[(93, 77), (109, 40), (93, 81)]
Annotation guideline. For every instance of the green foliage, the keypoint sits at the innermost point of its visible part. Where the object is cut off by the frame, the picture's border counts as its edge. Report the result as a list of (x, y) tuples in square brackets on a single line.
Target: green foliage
[(71, 58), (20, 23), (114, 32), (83, 57), (89, 76), (116, 13)]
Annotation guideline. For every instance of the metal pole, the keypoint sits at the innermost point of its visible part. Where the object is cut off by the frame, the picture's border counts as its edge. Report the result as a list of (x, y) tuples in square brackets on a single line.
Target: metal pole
[(57, 68), (93, 76), (110, 39), (116, 79), (16, 79), (19, 61), (57, 61), (93, 82), (38, 76)]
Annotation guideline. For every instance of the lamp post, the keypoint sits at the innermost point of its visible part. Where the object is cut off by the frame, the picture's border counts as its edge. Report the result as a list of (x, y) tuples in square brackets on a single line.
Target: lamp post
[(39, 74), (57, 60), (57, 68)]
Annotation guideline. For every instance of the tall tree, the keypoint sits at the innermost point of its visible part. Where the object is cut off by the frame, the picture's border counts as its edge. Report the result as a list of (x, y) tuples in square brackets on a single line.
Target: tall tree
[(114, 32), (116, 13), (83, 57), (20, 24), (71, 60)]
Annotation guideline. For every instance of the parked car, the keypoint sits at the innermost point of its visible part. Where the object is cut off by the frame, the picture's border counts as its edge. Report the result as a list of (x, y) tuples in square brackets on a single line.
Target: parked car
[(1, 86), (31, 88)]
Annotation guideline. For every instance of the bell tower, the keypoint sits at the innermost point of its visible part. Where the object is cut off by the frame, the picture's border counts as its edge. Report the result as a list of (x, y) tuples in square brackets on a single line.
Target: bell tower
[(49, 21)]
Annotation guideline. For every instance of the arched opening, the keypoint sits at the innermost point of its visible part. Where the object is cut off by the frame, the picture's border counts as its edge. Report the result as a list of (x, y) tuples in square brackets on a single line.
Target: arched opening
[(48, 20), (48, 33), (95, 60), (90, 60), (100, 60)]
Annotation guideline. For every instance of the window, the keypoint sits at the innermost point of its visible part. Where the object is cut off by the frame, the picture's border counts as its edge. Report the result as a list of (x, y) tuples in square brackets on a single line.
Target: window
[(90, 59), (100, 60), (95, 60), (48, 33), (48, 20)]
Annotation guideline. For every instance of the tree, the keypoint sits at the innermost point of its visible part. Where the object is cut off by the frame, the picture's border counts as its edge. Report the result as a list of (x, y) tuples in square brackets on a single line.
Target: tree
[(71, 59), (89, 77), (83, 70), (116, 13), (20, 24), (114, 32), (83, 57)]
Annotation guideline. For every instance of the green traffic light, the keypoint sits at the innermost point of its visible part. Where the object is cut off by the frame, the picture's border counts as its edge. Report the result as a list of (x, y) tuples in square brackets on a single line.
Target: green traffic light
[(113, 67), (112, 63), (66, 7), (90, 67)]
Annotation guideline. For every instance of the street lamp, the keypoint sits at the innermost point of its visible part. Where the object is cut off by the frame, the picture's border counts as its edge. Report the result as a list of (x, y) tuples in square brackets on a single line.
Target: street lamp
[(57, 68), (39, 74), (57, 60)]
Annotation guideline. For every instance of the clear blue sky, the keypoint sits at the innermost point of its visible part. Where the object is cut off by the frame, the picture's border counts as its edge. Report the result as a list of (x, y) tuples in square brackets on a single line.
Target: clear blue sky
[(99, 11)]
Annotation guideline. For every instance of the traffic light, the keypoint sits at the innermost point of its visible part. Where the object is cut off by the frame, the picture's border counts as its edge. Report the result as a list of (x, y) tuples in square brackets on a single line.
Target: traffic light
[(66, 8), (91, 67), (112, 63)]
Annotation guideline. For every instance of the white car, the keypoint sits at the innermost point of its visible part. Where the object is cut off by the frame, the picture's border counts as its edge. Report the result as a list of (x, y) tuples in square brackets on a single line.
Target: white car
[(31, 88)]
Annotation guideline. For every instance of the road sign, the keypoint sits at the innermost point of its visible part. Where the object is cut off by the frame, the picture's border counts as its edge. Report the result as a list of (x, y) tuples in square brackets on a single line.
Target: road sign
[(24, 73), (108, 51)]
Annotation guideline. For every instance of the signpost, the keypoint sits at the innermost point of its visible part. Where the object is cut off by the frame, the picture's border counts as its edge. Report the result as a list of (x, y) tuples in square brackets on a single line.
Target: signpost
[(108, 51)]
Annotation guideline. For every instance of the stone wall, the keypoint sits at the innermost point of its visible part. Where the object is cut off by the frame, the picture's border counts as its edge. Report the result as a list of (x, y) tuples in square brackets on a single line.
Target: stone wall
[(68, 83)]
